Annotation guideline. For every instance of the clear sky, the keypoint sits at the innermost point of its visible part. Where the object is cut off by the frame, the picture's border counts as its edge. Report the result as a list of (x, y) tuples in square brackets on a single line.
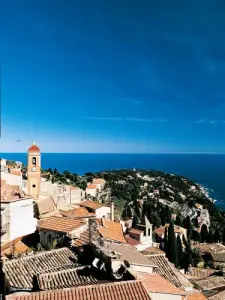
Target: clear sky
[(113, 76)]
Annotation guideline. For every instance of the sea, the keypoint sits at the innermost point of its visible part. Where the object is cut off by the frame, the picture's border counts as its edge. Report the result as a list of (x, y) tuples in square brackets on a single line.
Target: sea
[(205, 169)]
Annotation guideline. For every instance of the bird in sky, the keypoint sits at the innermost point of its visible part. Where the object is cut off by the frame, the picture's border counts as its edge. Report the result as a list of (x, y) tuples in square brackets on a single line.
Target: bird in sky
[(18, 141)]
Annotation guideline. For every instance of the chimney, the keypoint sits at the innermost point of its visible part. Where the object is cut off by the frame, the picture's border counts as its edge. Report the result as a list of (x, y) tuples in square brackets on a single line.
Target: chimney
[(112, 211)]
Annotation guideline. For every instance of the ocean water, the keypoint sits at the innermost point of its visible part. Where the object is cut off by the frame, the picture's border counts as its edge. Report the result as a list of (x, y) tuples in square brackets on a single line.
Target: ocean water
[(206, 169)]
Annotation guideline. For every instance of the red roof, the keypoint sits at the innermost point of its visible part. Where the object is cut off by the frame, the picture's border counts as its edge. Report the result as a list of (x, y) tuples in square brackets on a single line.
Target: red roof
[(34, 148), (125, 290)]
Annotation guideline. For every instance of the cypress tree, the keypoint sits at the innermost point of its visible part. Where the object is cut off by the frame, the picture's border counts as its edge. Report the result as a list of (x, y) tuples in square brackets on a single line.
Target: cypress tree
[(216, 236), (204, 233), (210, 236), (223, 236), (166, 242), (178, 221), (187, 224), (168, 214), (172, 245), (180, 255), (187, 261), (135, 221)]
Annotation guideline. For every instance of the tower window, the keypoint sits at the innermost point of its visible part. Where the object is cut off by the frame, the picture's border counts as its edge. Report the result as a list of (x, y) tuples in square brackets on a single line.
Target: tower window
[(34, 161), (149, 231), (34, 185)]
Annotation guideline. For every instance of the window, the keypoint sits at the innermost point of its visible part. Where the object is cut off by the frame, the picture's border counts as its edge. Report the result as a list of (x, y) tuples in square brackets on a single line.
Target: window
[(34, 161), (34, 186), (149, 231)]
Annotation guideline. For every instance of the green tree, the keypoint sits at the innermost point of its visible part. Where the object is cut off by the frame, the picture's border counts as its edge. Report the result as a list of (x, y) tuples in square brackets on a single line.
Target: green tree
[(210, 236), (216, 236), (166, 242), (172, 245), (180, 254), (187, 224), (204, 234), (135, 221), (178, 220)]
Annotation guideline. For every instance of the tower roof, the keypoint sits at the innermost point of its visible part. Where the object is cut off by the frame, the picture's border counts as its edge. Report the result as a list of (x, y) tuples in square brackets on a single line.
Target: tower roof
[(34, 148), (145, 222)]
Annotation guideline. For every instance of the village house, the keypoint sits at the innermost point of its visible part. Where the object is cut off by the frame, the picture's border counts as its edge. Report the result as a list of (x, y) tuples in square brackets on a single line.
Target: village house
[(177, 229), (12, 176), (140, 237), (100, 183), (17, 213), (100, 210), (59, 229), (92, 190)]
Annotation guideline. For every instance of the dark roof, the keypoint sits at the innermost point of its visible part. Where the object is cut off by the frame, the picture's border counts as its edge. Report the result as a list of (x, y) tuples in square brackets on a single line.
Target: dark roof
[(20, 271), (128, 290)]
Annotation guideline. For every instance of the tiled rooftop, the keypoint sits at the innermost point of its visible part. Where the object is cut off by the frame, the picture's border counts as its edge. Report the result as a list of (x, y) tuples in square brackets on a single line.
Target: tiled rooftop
[(126, 253), (131, 241), (46, 204), (98, 181), (136, 231), (128, 290), (211, 283), (82, 240), (157, 284), (219, 296), (152, 251), (169, 272), (210, 248), (111, 230), (194, 295), (59, 224), (68, 278), (201, 273), (177, 229), (16, 246), (219, 256), (92, 186), (79, 212), (91, 204), (20, 271)]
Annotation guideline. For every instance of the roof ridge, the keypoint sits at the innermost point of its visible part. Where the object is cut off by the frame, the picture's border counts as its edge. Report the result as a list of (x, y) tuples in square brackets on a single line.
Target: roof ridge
[(60, 271)]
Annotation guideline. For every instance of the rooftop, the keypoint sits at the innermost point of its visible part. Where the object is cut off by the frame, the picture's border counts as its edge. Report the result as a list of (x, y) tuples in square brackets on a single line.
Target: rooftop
[(82, 240), (79, 212), (20, 271), (111, 230), (152, 251), (116, 291), (219, 256), (177, 229), (210, 248), (34, 148), (60, 224), (91, 204), (68, 278), (92, 186), (219, 296), (211, 283), (157, 284), (136, 231), (201, 273), (169, 272)]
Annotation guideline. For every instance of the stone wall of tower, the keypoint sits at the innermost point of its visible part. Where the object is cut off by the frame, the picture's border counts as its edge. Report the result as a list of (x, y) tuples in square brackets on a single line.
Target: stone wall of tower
[(34, 174)]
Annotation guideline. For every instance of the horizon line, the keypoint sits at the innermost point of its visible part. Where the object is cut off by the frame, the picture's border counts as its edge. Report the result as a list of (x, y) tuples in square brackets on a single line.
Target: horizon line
[(144, 153)]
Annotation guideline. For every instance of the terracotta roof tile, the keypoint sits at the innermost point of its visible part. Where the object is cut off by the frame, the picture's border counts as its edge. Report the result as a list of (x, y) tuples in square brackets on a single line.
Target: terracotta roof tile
[(169, 272), (46, 204), (131, 241), (126, 290), (92, 186), (195, 295), (98, 180), (136, 231), (60, 224), (219, 256), (34, 148), (91, 204), (80, 212), (157, 284), (177, 229), (82, 240), (201, 273), (112, 231), (20, 271), (209, 248)]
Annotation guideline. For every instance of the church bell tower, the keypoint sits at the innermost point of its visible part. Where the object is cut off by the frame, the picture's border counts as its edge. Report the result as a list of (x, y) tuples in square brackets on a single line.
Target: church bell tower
[(34, 171)]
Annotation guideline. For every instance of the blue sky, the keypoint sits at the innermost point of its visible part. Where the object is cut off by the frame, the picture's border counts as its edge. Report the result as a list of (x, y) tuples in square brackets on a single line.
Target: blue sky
[(113, 76)]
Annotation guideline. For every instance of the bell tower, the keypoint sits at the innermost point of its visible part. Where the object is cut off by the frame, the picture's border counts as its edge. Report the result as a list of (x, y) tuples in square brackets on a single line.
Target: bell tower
[(34, 171)]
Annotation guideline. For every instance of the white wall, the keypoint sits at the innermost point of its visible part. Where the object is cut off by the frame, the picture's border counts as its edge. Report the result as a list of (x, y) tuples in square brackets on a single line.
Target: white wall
[(161, 296), (22, 221), (12, 179), (92, 192), (104, 211), (144, 269)]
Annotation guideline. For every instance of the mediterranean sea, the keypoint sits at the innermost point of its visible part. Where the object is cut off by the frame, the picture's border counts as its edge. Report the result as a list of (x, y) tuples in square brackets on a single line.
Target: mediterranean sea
[(205, 169)]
